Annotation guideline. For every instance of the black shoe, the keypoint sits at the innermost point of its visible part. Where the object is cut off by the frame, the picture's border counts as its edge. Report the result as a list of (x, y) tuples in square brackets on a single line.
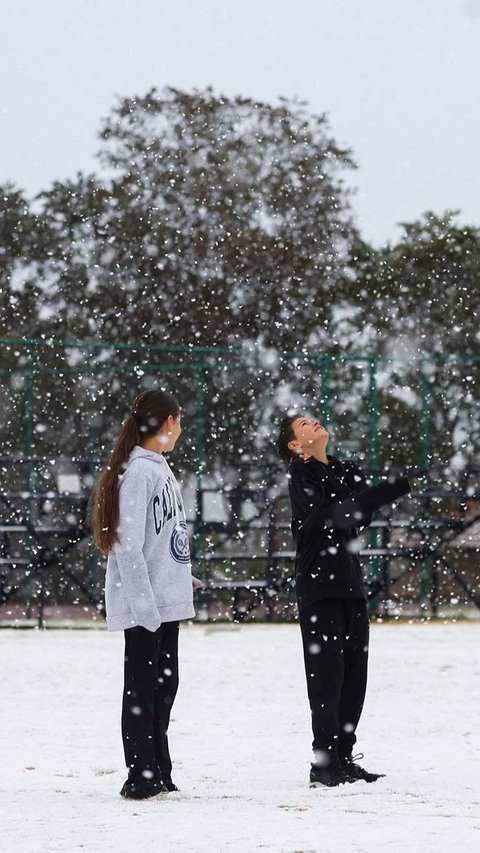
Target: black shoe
[(330, 776), (356, 772), (142, 789), (166, 777)]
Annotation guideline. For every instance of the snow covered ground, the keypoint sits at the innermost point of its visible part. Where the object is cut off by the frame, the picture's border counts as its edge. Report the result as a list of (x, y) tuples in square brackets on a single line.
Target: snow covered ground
[(241, 740)]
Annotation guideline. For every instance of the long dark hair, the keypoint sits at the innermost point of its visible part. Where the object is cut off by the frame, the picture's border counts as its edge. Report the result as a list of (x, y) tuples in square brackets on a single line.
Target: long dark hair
[(147, 414)]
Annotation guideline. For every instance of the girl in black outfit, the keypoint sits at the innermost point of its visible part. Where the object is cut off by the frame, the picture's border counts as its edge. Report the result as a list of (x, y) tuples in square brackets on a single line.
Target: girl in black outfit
[(328, 498)]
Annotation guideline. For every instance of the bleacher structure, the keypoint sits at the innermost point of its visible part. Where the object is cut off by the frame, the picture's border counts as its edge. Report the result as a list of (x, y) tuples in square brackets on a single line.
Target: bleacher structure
[(421, 558), (246, 557)]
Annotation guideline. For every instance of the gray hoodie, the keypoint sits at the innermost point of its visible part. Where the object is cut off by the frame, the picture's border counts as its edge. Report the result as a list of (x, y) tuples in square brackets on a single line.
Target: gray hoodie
[(149, 574)]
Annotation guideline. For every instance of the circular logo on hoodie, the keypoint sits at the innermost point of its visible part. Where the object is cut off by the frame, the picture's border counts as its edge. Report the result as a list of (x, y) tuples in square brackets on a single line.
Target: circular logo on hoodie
[(179, 543)]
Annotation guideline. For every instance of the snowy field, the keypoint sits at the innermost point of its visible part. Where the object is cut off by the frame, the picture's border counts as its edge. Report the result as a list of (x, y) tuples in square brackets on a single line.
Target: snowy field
[(240, 739)]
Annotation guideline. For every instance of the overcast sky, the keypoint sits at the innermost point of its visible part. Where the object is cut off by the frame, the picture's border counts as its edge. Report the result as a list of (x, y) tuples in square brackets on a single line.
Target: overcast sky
[(400, 80)]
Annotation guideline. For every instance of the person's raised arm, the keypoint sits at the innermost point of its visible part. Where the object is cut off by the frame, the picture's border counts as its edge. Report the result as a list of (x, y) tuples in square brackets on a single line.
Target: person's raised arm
[(340, 515), (355, 509)]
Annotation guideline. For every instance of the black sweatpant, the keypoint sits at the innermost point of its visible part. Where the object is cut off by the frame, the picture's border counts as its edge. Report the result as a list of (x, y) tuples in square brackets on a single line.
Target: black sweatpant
[(150, 687), (335, 645)]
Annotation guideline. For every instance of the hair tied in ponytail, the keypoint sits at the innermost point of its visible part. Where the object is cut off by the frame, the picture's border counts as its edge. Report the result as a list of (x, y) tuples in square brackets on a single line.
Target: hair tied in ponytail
[(147, 413)]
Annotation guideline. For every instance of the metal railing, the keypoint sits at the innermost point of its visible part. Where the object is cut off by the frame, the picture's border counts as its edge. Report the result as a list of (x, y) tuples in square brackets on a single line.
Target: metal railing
[(34, 365)]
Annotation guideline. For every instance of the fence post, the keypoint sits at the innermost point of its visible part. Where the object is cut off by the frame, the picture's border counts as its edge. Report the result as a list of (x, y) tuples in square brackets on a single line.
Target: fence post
[(325, 398), (372, 415), (199, 449), (373, 464), (199, 415), (424, 578), (425, 423), (28, 470)]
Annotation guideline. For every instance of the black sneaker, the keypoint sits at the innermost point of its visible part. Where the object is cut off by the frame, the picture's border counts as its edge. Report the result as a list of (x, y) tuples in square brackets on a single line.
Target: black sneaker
[(330, 776), (169, 785), (166, 777), (142, 789), (356, 772)]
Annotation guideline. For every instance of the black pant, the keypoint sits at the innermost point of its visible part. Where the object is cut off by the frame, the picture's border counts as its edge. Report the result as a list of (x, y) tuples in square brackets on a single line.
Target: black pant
[(335, 645), (150, 687)]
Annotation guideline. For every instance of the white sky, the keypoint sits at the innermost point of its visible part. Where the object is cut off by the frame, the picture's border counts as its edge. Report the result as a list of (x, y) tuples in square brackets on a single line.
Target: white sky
[(399, 80)]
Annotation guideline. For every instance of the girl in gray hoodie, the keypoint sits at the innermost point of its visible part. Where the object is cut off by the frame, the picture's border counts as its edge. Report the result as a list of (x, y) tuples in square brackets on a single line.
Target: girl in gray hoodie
[(139, 523)]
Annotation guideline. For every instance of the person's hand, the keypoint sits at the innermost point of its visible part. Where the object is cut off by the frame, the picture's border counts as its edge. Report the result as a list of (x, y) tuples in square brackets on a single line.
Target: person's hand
[(196, 583)]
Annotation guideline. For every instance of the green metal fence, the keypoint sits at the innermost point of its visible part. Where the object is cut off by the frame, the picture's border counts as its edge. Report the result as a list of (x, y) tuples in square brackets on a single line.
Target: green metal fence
[(33, 362), (36, 375), (27, 359)]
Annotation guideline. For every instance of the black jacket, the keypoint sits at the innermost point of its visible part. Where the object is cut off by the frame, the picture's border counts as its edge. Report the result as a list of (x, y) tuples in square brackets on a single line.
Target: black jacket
[(327, 565)]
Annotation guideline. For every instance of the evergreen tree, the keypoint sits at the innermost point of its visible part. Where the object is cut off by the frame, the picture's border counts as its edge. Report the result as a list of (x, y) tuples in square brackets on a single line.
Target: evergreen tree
[(411, 300), (222, 220)]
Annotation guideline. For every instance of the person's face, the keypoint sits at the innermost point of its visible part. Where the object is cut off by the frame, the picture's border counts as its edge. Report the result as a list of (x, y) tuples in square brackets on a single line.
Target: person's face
[(309, 433), (170, 432)]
